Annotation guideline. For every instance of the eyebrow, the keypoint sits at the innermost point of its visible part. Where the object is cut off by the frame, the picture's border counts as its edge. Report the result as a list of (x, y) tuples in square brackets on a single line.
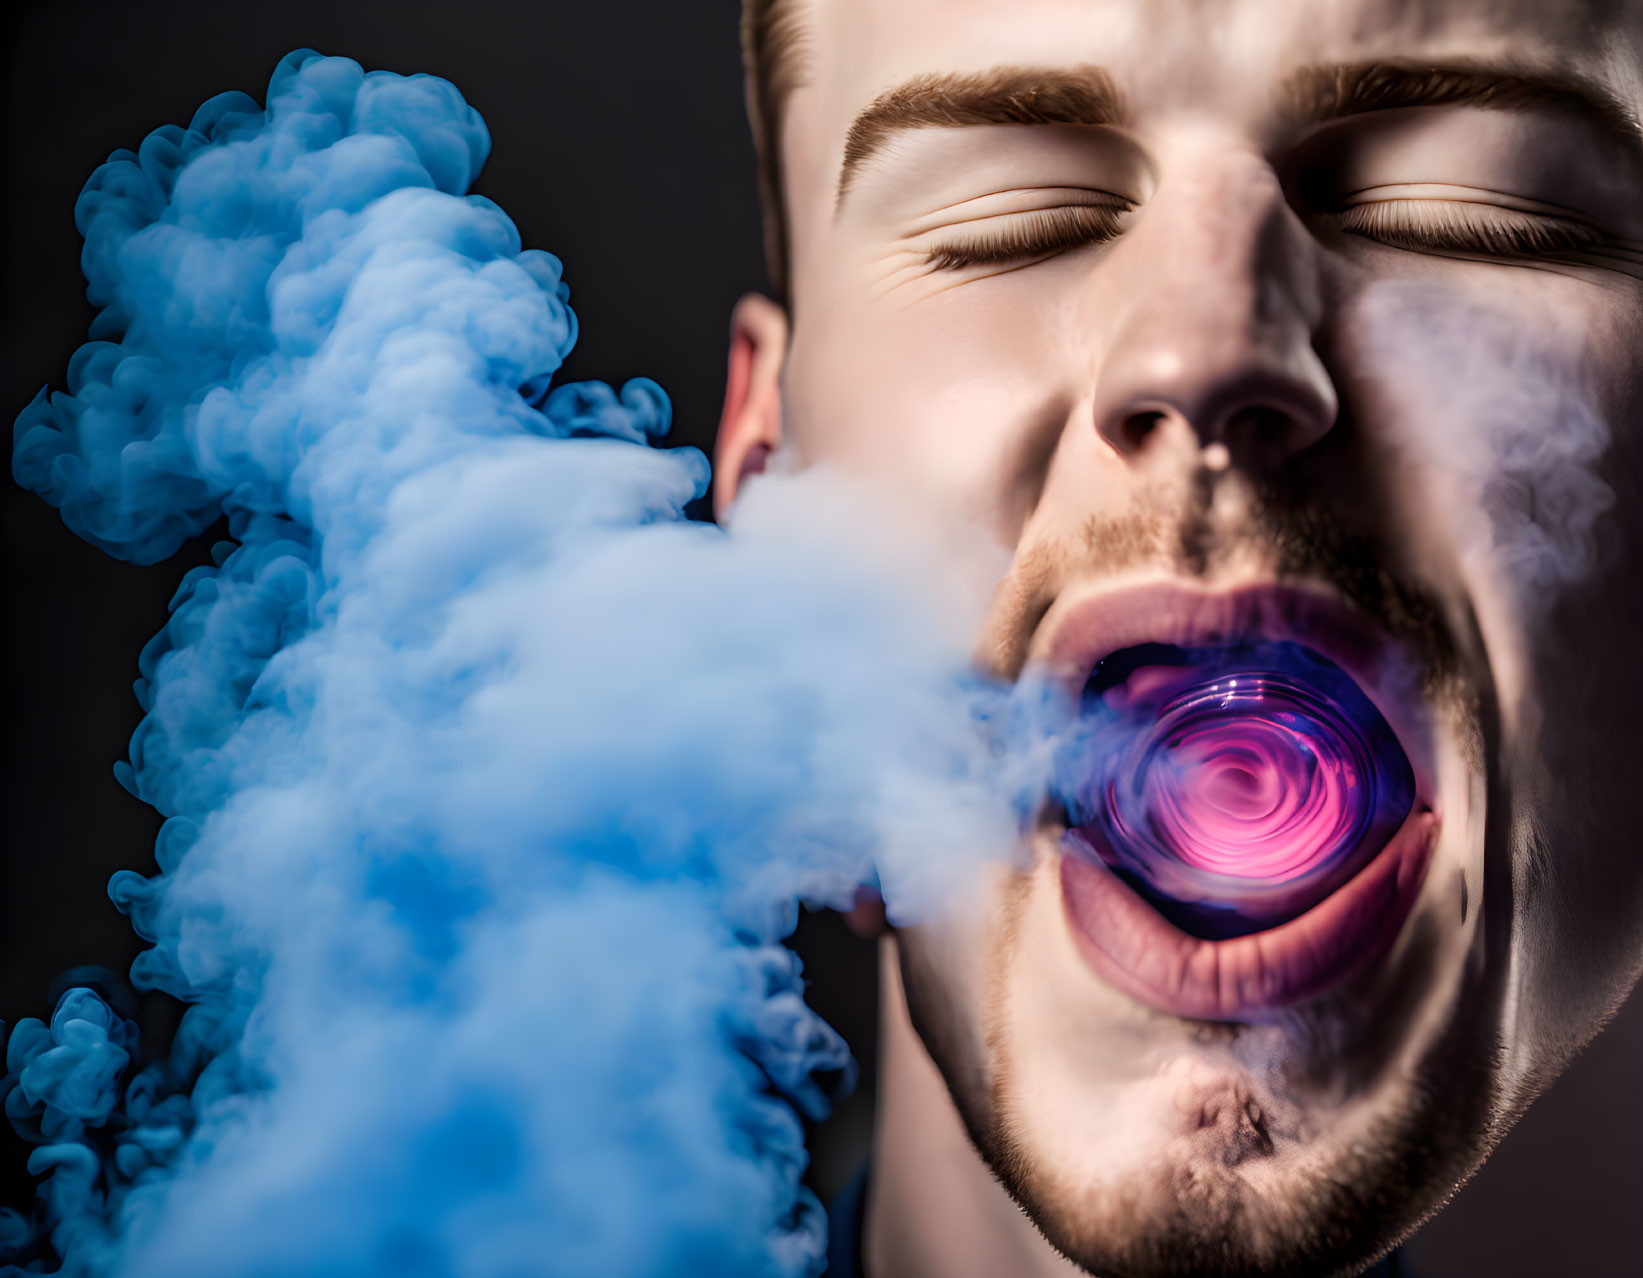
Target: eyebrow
[(1086, 95), (1003, 95), (1317, 95)]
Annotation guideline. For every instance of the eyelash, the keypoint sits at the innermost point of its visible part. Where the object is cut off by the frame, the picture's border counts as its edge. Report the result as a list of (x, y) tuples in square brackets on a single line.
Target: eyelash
[(1426, 224), (1036, 234), (1441, 226)]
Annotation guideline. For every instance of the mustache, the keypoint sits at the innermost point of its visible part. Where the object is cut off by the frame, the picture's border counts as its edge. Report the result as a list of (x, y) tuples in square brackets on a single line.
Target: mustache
[(1298, 534)]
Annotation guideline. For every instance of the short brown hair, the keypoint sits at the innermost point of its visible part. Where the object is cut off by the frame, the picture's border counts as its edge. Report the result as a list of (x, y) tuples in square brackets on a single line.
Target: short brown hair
[(773, 41)]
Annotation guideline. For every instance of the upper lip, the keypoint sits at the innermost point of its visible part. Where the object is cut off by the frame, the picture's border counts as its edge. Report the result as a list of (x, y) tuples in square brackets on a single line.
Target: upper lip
[(1122, 937)]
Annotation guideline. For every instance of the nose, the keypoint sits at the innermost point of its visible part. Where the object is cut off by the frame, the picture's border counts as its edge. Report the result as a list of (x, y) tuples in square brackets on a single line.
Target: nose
[(1213, 343)]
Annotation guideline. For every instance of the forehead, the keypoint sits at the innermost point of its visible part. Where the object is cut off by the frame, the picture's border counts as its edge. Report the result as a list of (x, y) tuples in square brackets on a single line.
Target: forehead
[(1217, 55)]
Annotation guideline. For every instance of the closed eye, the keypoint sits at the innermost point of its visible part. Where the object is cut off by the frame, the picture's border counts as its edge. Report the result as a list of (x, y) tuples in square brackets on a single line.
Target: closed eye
[(1040, 233), (1465, 226), (1419, 224)]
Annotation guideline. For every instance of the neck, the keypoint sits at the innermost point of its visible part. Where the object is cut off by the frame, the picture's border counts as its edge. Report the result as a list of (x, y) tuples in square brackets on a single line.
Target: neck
[(934, 1209)]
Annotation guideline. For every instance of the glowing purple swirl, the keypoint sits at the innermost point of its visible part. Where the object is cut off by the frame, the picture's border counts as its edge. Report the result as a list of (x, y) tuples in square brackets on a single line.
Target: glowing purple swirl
[(1237, 786)]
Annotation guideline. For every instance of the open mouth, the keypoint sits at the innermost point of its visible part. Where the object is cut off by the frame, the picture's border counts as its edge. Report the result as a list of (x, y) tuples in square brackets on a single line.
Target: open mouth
[(1246, 817)]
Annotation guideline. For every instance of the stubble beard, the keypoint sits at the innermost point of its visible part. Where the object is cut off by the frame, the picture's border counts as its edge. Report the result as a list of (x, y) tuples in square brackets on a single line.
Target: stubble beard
[(1194, 1208)]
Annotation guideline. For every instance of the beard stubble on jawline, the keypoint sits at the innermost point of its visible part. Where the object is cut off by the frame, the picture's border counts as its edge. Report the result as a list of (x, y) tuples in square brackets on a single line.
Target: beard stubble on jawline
[(1190, 1214), (1187, 1216)]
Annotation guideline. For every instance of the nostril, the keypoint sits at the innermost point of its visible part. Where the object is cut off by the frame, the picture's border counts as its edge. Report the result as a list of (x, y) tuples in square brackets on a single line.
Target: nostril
[(1260, 421), (1137, 427), (1246, 427), (1262, 433)]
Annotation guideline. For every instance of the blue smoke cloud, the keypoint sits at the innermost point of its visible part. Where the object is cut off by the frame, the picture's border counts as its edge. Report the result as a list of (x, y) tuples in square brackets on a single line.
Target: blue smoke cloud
[(491, 783)]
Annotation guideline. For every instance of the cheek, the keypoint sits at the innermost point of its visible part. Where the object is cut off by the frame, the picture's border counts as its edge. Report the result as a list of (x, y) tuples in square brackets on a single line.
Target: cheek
[(956, 403), (1494, 412)]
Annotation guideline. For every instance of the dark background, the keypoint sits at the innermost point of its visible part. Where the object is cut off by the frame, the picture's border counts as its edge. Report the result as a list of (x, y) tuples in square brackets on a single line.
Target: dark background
[(619, 144)]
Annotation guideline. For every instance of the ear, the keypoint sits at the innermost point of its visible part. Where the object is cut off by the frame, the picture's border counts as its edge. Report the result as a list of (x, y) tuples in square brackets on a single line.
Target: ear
[(866, 918), (751, 428)]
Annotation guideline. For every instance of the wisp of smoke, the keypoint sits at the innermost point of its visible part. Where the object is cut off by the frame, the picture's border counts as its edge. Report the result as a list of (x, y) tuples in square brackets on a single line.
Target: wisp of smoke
[(1521, 476), (492, 784)]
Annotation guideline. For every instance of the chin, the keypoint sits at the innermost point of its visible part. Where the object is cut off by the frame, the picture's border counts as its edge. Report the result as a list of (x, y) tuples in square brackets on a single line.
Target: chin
[(1176, 1069)]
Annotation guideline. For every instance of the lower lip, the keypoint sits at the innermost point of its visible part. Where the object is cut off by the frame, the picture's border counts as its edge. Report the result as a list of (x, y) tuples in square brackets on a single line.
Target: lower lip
[(1132, 947)]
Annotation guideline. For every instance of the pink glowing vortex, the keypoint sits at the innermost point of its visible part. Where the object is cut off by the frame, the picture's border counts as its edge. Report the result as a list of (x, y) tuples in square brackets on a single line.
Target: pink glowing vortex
[(1252, 798), (1246, 795)]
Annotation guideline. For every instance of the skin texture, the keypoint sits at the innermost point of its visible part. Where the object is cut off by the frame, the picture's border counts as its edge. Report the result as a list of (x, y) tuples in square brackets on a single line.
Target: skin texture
[(1273, 363)]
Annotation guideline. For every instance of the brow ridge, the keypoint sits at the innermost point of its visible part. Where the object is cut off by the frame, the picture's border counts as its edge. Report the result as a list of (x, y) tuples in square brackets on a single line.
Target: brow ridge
[(1320, 94), (1087, 95)]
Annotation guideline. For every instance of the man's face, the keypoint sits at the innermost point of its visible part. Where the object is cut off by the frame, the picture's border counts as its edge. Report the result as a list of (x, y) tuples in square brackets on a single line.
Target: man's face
[(1241, 349)]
